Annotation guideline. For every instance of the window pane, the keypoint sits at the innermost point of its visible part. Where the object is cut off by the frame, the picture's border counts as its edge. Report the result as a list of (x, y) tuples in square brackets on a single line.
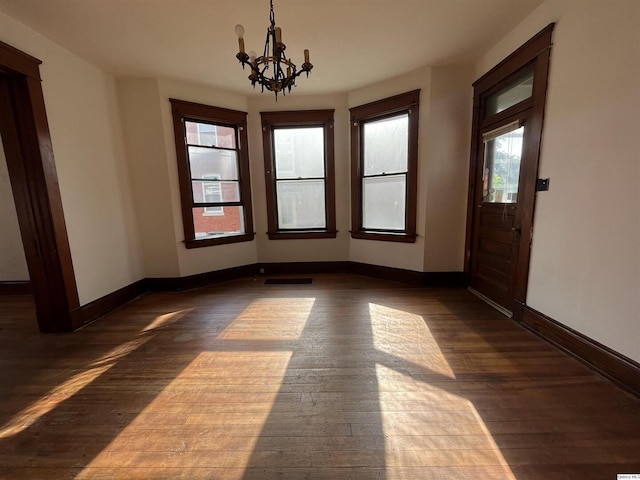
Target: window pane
[(209, 191), (299, 152), (512, 94), (383, 205), (301, 204), (502, 167), (386, 145), (210, 135), (230, 222), (206, 163)]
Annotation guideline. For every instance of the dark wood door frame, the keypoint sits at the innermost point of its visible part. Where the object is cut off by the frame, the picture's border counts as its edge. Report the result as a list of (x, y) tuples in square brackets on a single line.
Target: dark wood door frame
[(533, 54), (30, 162)]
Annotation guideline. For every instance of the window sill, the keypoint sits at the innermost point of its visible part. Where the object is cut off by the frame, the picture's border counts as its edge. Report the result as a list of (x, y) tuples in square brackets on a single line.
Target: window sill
[(301, 234), (208, 242), (384, 236)]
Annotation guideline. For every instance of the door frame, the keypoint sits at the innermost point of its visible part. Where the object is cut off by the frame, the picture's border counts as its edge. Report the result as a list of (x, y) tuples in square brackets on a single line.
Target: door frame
[(534, 54), (34, 181)]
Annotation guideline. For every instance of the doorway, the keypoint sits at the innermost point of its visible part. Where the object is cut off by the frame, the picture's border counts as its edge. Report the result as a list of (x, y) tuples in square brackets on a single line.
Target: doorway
[(508, 114), (31, 167)]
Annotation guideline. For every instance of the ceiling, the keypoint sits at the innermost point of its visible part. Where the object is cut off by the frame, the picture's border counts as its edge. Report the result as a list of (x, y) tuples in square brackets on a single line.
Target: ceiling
[(352, 43)]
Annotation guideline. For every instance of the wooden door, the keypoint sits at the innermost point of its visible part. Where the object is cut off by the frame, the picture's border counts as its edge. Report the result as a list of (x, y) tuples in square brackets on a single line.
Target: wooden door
[(507, 130), (498, 204)]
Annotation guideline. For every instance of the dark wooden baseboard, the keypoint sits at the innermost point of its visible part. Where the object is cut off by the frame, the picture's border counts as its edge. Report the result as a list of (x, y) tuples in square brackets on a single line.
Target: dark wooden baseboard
[(100, 307), (174, 284), (429, 279), (15, 288), (386, 273), (444, 279), (297, 268), (607, 362)]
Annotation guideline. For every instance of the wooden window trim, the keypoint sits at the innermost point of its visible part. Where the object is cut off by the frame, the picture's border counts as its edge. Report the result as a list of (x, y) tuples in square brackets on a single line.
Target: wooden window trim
[(182, 110), (408, 102), (299, 118)]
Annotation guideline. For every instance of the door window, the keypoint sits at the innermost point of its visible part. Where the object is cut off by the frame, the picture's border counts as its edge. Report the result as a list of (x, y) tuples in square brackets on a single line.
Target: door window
[(501, 171)]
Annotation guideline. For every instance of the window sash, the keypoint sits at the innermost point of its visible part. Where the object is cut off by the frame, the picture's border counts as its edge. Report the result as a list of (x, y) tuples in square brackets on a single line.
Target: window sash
[(401, 218), (285, 205)]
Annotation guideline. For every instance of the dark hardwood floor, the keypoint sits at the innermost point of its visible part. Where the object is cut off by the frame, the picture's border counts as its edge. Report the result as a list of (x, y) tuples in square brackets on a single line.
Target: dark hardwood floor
[(347, 378)]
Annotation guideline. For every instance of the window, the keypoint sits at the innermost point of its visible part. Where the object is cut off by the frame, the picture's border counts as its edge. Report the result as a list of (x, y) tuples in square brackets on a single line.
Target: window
[(299, 166), (384, 163), (213, 170)]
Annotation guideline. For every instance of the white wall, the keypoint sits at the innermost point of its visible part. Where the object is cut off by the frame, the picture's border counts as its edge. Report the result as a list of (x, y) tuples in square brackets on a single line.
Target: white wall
[(13, 265), (147, 159), (409, 256), (443, 162), (585, 263), (205, 259), (315, 250), (447, 167), (82, 109), (443, 159)]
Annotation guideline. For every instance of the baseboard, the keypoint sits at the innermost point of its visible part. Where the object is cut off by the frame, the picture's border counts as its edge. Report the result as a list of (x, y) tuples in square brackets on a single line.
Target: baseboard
[(296, 268), (607, 362), (386, 273), (429, 279), (100, 307), (173, 284), (444, 279), (15, 288)]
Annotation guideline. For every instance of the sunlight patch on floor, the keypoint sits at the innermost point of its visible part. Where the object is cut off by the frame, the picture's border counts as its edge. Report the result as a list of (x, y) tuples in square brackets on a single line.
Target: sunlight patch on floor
[(166, 319), (423, 423), (406, 337), (271, 319), (68, 389), (213, 412)]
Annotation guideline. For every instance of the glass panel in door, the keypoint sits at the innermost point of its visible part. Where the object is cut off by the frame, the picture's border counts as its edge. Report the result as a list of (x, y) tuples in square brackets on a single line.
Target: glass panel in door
[(501, 172)]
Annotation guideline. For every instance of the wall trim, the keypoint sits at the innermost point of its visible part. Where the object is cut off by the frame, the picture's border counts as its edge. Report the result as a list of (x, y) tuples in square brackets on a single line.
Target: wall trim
[(387, 273), (173, 284), (612, 365), (93, 310), (444, 279), (18, 287), (427, 279), (85, 314), (294, 268)]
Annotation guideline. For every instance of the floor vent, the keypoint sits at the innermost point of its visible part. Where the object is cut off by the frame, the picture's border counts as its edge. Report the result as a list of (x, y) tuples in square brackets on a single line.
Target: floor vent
[(288, 281)]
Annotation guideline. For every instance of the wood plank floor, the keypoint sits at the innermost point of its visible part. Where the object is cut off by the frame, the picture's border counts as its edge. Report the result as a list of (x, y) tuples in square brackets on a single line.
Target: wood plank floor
[(346, 378)]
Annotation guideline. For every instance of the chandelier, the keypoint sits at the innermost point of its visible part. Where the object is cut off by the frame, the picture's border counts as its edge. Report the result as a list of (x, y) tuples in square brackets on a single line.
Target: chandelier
[(272, 70)]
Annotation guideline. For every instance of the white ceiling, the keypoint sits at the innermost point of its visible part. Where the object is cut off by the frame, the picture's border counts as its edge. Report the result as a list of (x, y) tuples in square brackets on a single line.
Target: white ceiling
[(352, 42)]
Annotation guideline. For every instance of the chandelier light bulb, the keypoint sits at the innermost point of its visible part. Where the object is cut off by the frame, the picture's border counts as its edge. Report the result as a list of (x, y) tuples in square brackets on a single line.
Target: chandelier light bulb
[(252, 56), (240, 33)]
